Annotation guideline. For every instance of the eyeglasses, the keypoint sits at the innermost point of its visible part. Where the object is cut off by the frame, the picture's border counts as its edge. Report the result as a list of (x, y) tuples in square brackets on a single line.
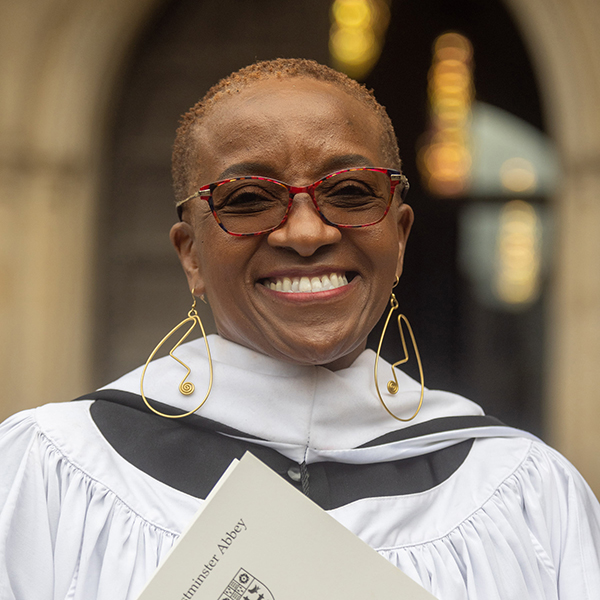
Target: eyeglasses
[(253, 205)]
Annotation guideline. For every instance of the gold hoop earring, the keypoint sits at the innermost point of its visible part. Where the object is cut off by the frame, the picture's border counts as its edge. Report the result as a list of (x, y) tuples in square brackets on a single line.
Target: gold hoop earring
[(392, 386), (185, 387)]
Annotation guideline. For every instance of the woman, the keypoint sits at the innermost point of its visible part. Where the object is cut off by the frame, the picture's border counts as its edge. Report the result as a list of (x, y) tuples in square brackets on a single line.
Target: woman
[(95, 492)]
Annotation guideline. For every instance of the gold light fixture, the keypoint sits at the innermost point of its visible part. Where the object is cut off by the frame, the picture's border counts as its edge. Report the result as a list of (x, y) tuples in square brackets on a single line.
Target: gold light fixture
[(444, 155), (518, 256), (357, 33), (518, 175)]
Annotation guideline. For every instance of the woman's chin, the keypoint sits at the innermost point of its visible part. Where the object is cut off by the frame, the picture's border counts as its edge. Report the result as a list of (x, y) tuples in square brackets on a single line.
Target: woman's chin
[(324, 351), (332, 358)]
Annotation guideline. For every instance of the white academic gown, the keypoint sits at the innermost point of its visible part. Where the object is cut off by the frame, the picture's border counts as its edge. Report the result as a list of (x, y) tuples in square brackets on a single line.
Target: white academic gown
[(84, 515)]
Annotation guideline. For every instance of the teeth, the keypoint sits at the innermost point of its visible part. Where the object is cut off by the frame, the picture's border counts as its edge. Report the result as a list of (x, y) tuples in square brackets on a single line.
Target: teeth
[(305, 285), (308, 284)]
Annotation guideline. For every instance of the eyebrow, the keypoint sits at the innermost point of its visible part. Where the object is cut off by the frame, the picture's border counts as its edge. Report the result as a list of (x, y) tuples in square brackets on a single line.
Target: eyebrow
[(265, 170), (248, 168), (347, 161)]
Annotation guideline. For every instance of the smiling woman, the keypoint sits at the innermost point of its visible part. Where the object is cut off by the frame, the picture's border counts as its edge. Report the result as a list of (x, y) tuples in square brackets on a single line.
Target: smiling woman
[(293, 225), (296, 134)]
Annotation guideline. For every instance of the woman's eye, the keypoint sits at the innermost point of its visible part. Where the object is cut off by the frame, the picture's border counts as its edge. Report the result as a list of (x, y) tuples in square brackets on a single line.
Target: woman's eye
[(352, 190), (245, 201), (350, 195)]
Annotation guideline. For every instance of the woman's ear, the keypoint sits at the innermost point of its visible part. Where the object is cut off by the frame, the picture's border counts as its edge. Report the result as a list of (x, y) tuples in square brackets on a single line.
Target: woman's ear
[(405, 218), (183, 238)]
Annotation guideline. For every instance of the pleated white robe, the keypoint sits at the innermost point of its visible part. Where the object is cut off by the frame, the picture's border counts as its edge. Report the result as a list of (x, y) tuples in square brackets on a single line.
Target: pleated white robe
[(79, 521)]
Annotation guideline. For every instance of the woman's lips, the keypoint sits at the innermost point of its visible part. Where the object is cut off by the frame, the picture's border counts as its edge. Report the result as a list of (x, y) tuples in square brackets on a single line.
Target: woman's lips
[(306, 284)]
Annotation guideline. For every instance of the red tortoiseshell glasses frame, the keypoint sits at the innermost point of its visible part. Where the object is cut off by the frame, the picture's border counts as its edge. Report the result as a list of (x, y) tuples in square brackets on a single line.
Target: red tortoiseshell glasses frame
[(206, 192)]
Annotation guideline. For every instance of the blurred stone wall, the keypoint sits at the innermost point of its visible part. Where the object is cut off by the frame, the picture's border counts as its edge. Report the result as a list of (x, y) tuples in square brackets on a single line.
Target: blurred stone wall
[(59, 61)]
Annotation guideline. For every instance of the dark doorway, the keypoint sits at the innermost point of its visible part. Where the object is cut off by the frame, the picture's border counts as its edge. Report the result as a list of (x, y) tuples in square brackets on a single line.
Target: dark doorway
[(492, 356)]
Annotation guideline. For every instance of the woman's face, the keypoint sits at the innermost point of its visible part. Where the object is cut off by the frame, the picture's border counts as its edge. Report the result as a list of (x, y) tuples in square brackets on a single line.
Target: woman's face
[(296, 131)]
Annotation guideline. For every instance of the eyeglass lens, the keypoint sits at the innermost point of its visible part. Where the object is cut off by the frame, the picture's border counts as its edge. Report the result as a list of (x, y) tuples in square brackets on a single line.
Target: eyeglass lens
[(353, 198)]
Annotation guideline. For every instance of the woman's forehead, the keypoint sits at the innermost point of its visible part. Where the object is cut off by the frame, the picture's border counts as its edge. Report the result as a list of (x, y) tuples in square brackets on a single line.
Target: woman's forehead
[(293, 102), (286, 89), (291, 119)]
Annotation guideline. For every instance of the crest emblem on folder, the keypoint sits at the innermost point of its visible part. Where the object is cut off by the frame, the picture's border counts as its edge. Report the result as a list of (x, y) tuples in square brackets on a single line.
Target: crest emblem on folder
[(244, 586)]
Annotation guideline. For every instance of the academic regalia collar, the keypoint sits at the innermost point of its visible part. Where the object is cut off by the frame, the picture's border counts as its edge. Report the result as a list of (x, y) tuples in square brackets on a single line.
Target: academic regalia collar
[(321, 421), (308, 413)]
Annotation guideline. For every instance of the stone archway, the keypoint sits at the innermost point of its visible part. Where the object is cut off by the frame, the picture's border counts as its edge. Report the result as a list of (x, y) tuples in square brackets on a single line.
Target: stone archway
[(564, 45), (60, 62)]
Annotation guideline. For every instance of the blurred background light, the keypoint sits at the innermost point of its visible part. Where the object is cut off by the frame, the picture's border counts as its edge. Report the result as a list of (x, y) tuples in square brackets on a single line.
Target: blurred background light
[(472, 148), (357, 34), (444, 155), (510, 156), (505, 251), (518, 175), (518, 257)]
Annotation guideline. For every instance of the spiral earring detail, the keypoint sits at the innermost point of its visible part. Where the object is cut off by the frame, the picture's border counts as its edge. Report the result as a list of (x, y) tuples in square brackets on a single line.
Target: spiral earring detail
[(392, 385), (185, 387)]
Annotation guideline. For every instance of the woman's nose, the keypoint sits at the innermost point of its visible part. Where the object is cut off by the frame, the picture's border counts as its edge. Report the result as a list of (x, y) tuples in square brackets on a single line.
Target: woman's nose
[(304, 231)]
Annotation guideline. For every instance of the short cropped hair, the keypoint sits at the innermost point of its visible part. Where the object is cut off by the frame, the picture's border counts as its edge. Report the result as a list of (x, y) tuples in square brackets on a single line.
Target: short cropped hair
[(185, 146)]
